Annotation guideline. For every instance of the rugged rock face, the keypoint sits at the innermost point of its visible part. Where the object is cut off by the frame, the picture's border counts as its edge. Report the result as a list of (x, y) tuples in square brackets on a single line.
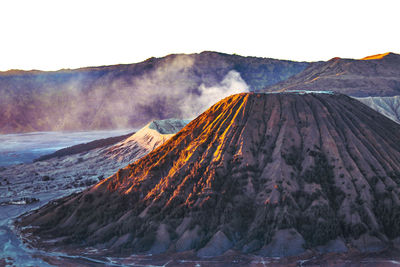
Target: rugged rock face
[(97, 97), (377, 75), (271, 174)]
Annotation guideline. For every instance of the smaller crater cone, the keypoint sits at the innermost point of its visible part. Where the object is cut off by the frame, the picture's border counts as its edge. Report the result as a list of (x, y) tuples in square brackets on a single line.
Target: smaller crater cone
[(271, 174)]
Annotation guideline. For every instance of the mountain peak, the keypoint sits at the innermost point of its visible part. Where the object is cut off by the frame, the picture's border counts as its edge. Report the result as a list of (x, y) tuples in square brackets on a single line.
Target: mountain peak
[(335, 59), (152, 135)]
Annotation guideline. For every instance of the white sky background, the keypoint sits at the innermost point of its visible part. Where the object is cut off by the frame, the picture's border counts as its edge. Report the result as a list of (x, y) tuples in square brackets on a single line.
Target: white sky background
[(55, 34)]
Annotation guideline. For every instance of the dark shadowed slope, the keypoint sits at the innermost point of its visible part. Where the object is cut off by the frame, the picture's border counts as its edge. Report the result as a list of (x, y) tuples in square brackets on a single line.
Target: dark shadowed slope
[(128, 96), (270, 174), (377, 75)]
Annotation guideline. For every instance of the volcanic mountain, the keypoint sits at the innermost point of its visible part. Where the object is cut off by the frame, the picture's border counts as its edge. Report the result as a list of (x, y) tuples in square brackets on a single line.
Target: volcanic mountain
[(270, 174)]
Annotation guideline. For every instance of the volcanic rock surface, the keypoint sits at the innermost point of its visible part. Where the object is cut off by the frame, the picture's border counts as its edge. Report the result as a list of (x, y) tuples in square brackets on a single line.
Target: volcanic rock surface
[(270, 174)]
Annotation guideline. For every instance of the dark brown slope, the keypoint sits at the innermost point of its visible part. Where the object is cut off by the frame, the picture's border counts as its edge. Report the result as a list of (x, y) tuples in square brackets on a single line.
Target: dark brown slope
[(377, 75), (125, 96), (263, 173)]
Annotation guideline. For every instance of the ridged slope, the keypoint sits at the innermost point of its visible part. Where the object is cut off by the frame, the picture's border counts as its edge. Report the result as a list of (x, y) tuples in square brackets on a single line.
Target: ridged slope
[(263, 173)]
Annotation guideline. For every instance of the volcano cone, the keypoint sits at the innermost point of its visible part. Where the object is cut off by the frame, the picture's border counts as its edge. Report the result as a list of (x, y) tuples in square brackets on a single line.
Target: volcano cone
[(271, 174)]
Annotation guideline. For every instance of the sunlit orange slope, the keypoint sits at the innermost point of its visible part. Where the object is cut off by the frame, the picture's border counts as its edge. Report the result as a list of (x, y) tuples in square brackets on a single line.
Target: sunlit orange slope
[(377, 56)]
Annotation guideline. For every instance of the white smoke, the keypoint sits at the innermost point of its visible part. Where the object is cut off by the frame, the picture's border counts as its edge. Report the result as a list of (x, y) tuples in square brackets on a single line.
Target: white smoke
[(172, 81), (168, 80), (231, 84)]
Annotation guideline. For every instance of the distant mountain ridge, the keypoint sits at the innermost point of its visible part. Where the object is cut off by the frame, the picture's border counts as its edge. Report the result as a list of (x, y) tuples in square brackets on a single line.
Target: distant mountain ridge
[(376, 76), (179, 86), (129, 95)]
